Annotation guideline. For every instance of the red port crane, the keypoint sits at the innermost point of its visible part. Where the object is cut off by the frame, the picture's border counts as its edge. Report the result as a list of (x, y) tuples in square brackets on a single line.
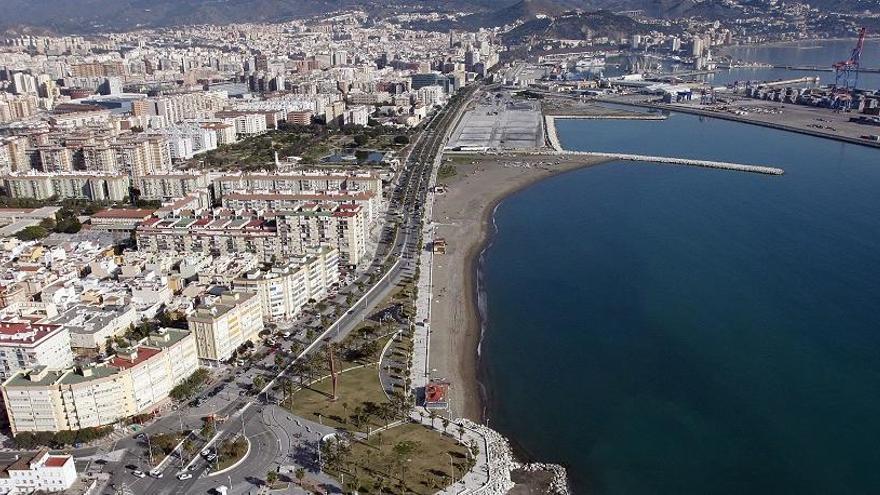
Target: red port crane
[(846, 72)]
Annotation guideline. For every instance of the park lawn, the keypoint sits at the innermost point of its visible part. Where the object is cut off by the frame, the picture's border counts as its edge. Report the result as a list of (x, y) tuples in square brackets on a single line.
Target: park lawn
[(230, 452), (355, 388), (427, 470), (382, 340)]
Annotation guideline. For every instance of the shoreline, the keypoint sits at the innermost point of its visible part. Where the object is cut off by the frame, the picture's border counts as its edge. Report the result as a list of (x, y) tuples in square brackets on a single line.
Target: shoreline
[(464, 216)]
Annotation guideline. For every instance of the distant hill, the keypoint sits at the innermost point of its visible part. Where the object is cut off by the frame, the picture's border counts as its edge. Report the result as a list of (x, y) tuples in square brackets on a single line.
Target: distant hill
[(88, 16), (577, 26)]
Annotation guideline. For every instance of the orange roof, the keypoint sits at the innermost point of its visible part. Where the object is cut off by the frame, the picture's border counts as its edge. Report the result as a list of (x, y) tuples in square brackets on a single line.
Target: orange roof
[(143, 354), (57, 460)]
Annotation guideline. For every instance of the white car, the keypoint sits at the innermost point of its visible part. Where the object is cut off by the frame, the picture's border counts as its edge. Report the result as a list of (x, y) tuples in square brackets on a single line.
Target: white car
[(139, 473), (156, 474), (206, 452), (211, 457), (184, 476)]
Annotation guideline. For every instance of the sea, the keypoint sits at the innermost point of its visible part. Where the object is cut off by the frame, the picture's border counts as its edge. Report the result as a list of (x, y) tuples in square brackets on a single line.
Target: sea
[(661, 329)]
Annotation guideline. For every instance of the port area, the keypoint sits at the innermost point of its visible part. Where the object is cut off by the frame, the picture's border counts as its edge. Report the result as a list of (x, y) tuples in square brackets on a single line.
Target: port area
[(815, 121)]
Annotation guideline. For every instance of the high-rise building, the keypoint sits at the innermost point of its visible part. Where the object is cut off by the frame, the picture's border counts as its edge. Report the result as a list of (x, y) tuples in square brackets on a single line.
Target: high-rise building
[(220, 326)]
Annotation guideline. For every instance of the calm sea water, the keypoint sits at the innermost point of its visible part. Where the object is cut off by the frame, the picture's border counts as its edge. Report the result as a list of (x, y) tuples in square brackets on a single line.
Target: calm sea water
[(669, 330)]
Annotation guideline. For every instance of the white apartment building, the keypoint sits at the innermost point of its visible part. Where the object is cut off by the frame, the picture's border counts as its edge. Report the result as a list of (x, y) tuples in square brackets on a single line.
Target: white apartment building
[(26, 345), (222, 325), (42, 472), (75, 185), (299, 182), (164, 187), (283, 290), (357, 115), (135, 381), (249, 124)]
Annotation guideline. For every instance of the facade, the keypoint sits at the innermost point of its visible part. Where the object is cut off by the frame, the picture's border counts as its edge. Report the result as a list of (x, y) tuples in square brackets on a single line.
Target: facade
[(269, 235), (283, 290), (42, 472), (164, 187), (224, 324), (134, 381), (26, 345), (75, 185), (282, 202), (299, 182)]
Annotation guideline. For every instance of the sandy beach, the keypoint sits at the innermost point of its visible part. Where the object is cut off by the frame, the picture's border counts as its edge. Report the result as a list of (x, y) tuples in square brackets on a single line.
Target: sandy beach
[(462, 216)]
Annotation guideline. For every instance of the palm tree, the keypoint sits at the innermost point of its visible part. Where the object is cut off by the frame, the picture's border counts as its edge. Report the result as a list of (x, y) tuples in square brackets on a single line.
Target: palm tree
[(300, 473), (445, 423), (460, 432)]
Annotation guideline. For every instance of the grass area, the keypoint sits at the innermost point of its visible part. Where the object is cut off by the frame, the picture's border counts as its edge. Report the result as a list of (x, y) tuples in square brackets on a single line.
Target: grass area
[(409, 458), (230, 451), (358, 391), (446, 171)]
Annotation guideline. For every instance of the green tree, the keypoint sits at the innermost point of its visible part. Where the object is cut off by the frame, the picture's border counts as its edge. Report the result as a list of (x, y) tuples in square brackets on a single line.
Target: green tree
[(271, 477), (401, 139), (32, 233), (300, 474)]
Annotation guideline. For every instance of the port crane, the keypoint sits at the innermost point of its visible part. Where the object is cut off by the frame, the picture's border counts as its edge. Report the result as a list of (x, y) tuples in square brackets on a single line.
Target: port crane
[(846, 72)]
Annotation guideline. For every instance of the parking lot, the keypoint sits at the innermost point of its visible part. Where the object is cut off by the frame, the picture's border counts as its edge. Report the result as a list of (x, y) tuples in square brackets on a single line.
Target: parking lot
[(499, 122)]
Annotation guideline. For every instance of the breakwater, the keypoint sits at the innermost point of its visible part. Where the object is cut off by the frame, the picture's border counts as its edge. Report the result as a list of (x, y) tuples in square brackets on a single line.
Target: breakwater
[(739, 167), (552, 140)]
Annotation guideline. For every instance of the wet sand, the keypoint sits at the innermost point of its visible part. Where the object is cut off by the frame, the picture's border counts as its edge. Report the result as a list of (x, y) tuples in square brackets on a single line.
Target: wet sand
[(463, 217)]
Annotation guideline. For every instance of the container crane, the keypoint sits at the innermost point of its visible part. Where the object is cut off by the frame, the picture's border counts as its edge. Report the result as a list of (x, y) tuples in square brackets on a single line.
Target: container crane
[(846, 72)]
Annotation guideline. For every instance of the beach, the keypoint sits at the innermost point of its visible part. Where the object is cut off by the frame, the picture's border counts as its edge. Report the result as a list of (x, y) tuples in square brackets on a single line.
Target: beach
[(463, 217)]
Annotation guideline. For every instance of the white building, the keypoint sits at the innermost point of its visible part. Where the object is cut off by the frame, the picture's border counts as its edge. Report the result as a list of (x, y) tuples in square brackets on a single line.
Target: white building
[(283, 290), (26, 345), (135, 381), (42, 472), (221, 325)]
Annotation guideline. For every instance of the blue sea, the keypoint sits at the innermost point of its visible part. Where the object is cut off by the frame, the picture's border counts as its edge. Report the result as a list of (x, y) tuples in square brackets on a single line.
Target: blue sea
[(672, 330)]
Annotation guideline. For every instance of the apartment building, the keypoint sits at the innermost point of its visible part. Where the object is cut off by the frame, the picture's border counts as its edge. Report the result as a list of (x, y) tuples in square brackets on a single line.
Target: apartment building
[(281, 202), (182, 106), (319, 224), (75, 185), (270, 235), (134, 381), (299, 182), (164, 187), (223, 324), (25, 345), (283, 289)]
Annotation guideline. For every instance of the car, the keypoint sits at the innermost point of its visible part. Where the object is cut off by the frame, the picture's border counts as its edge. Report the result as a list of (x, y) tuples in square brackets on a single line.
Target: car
[(211, 457), (206, 452), (156, 474), (138, 473), (184, 476)]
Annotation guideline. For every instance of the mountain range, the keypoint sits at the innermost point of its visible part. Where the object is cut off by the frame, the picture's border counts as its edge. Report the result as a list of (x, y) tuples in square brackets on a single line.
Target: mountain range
[(88, 16)]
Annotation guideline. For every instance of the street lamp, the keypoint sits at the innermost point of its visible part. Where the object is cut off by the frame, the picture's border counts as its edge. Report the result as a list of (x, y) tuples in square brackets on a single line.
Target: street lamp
[(451, 469)]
